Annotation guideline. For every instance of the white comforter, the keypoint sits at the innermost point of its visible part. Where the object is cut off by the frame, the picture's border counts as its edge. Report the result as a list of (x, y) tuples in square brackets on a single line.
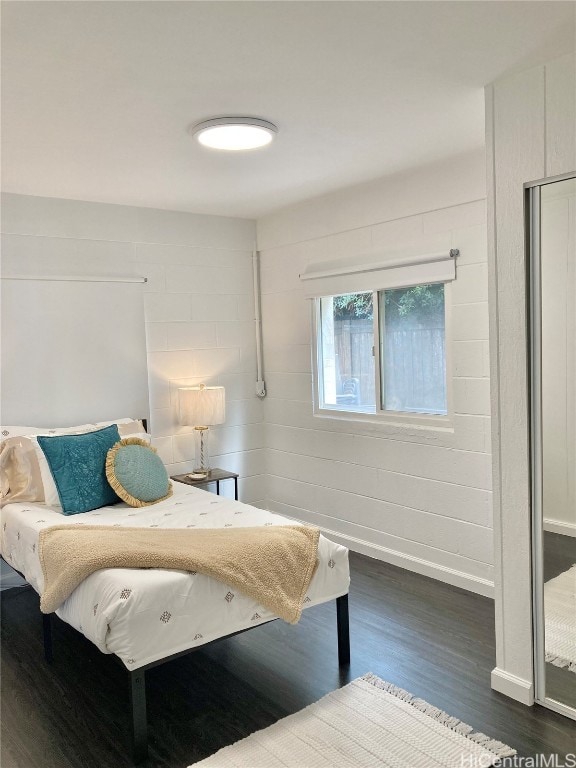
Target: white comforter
[(144, 615)]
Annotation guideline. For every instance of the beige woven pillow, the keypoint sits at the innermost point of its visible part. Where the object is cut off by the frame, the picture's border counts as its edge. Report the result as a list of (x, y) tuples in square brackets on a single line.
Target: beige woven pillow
[(20, 477)]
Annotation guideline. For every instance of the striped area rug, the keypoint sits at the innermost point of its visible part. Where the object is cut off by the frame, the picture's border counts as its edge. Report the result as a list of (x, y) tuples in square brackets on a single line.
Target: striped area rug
[(560, 622), (365, 724)]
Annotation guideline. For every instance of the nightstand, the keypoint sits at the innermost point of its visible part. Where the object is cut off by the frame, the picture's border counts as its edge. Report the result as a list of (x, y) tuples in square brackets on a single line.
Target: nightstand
[(215, 476)]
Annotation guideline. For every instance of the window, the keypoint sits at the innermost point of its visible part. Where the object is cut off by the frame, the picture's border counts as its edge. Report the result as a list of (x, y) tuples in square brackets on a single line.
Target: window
[(413, 349), (383, 351), (347, 352), (381, 333)]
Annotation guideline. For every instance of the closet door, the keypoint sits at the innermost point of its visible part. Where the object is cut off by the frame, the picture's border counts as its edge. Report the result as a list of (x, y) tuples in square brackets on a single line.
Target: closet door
[(553, 351)]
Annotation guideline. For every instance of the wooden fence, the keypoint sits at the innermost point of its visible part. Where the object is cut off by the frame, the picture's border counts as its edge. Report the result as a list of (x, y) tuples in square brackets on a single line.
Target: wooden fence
[(415, 365), (353, 340)]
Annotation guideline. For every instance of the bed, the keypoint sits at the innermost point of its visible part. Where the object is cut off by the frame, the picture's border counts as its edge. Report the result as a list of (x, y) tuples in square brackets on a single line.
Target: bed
[(147, 616)]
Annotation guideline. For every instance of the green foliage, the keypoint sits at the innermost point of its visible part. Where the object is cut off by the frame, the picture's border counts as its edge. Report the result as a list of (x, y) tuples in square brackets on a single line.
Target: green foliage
[(357, 305), (421, 304)]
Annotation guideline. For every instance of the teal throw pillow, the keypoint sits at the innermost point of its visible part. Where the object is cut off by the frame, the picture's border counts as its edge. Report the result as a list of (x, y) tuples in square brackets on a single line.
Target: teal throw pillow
[(136, 473), (78, 466)]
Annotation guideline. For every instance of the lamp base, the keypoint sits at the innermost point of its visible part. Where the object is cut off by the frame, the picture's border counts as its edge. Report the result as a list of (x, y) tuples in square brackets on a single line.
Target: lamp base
[(201, 451), (198, 475)]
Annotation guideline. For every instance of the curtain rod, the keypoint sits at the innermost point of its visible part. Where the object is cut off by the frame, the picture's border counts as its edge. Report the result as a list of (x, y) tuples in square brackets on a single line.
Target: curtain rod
[(78, 278)]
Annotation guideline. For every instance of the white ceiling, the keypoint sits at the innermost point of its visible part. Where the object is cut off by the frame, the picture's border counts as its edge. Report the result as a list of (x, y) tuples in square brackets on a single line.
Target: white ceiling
[(97, 96)]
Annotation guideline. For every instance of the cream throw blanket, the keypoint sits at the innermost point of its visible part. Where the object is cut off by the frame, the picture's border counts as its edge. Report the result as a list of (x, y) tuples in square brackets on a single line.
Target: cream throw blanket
[(274, 564)]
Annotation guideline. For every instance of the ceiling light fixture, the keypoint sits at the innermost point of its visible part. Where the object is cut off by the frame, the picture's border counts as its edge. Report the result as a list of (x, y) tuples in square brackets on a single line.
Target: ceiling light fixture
[(234, 133)]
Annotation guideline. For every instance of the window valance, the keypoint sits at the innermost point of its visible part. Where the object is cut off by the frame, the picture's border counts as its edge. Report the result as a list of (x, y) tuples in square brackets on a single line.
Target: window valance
[(373, 273)]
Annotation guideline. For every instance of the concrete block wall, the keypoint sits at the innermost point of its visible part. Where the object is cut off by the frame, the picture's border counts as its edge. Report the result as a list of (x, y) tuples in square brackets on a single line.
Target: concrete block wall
[(420, 498)]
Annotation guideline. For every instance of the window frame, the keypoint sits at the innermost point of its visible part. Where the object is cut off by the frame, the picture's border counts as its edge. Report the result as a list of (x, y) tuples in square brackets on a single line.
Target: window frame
[(381, 415)]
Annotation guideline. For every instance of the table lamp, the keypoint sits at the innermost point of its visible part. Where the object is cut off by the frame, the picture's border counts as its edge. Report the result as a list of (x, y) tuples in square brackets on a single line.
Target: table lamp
[(201, 407)]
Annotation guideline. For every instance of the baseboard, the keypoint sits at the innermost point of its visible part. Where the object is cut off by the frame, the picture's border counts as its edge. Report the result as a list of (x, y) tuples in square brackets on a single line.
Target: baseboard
[(559, 526), (512, 686), (424, 567)]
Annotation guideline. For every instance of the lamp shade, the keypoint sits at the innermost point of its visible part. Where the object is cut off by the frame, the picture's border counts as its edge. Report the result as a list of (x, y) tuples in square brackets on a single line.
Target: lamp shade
[(201, 406)]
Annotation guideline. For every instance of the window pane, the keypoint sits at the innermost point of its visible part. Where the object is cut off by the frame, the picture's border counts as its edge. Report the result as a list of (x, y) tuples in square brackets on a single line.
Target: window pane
[(346, 353), (413, 339)]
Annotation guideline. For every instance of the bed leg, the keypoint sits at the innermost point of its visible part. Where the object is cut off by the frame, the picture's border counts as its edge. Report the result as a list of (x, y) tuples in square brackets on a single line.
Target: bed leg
[(343, 624), (47, 635), (139, 726)]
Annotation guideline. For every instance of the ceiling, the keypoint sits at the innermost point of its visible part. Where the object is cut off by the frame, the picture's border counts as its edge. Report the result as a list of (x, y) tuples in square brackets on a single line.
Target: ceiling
[(97, 97)]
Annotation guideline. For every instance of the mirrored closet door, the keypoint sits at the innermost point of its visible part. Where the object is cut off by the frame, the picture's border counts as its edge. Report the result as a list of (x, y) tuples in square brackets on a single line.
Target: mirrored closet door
[(552, 239)]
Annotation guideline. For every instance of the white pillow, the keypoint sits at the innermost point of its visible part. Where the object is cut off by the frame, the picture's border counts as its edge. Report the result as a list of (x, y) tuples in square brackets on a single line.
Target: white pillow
[(117, 421), (28, 431)]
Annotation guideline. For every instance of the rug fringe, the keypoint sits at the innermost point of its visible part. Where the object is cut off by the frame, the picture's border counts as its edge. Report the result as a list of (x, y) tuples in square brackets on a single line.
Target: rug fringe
[(561, 661), (498, 748)]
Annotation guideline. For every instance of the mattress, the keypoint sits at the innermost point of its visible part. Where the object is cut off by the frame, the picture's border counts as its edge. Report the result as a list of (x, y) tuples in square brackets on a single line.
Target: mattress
[(144, 615)]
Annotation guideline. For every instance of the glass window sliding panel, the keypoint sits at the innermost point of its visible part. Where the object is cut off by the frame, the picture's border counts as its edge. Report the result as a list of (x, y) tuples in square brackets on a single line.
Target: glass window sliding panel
[(346, 353), (413, 349)]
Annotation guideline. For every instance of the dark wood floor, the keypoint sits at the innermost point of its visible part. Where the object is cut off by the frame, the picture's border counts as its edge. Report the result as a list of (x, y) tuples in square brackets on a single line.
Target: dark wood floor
[(559, 554), (435, 640)]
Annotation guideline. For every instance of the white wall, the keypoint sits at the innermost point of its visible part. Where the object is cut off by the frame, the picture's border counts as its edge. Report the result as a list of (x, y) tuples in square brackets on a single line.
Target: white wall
[(530, 134), (417, 498), (198, 307)]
